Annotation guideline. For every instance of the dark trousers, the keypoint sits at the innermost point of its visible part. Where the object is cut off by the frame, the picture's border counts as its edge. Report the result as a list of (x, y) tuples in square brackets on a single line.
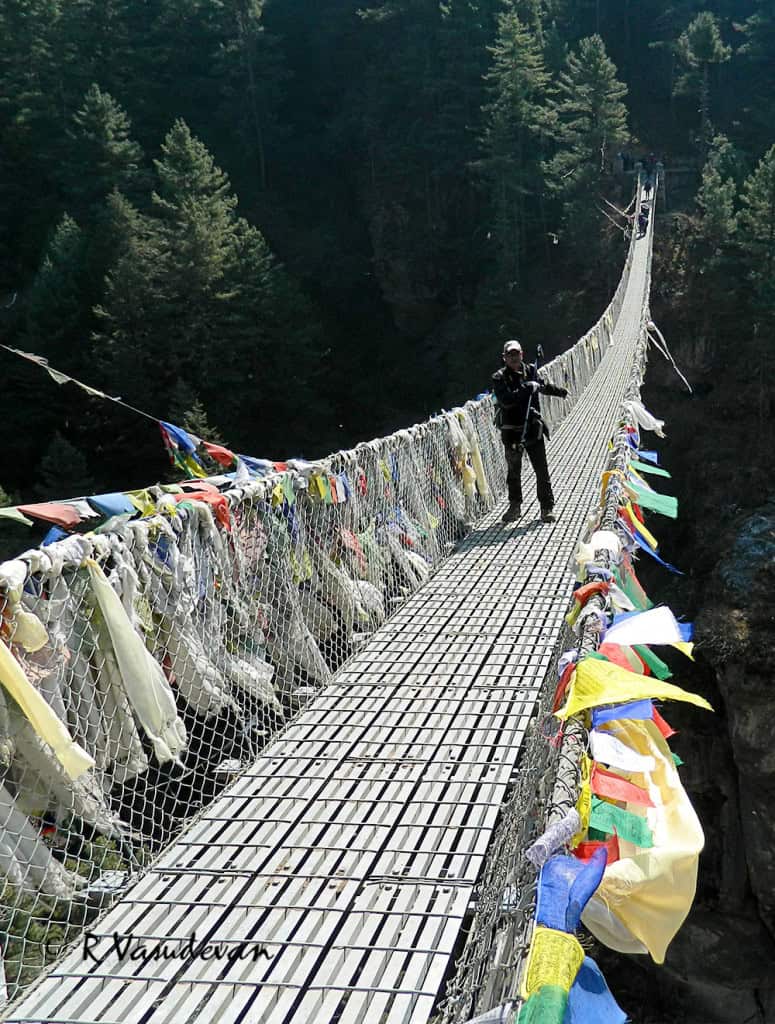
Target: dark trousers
[(536, 452)]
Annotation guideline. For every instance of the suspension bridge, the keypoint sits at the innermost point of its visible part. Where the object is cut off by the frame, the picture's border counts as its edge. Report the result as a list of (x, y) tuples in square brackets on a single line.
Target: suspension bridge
[(351, 765)]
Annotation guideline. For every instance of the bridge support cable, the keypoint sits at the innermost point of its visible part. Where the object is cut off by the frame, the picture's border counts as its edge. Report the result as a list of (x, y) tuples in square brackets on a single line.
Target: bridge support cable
[(340, 864)]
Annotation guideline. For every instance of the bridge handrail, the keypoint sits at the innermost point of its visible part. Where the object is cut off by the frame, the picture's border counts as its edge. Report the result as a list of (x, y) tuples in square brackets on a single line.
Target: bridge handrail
[(158, 658)]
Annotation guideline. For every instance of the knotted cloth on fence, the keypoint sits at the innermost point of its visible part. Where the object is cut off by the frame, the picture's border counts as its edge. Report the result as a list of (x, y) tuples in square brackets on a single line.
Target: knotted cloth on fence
[(143, 667)]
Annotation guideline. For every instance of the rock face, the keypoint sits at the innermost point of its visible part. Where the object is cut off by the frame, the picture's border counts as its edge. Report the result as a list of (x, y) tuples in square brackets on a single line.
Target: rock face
[(721, 966)]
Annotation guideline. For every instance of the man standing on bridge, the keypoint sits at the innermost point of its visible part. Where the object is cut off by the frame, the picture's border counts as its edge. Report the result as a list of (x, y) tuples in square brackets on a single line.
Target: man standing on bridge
[(517, 387)]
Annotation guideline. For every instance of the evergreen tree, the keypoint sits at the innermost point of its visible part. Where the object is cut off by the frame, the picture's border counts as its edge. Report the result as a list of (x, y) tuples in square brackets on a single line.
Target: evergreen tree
[(187, 411), (62, 472), (95, 43), (716, 201), (102, 155), (253, 77), (698, 48), (274, 368), (517, 121), (133, 300), (591, 126), (195, 211), (758, 55), (757, 233), (56, 317), (29, 128), (591, 117)]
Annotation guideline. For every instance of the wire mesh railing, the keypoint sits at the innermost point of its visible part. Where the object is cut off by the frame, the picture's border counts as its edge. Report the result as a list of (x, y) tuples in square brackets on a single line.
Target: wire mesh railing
[(488, 970), (144, 667)]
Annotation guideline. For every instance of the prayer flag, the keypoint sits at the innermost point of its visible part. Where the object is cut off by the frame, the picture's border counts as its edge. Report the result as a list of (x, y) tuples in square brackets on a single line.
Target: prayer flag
[(654, 626), (599, 682), (565, 886), (554, 959), (590, 1000), (611, 786), (609, 818)]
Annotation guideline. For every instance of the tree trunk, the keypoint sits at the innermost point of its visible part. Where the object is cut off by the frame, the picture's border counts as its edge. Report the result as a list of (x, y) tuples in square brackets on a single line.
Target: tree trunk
[(247, 56)]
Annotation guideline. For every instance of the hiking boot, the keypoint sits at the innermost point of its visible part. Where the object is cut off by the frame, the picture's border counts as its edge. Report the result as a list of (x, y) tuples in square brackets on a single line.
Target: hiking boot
[(514, 511), (548, 516)]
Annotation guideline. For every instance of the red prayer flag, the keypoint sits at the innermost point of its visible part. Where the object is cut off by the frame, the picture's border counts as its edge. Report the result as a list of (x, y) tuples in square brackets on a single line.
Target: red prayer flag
[(613, 787), (622, 655), (666, 730), (583, 594), (200, 486), (587, 849), (562, 686), (53, 512), (219, 503), (221, 455)]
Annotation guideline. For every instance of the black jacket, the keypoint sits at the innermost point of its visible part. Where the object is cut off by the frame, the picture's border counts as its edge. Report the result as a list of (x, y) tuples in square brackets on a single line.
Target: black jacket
[(514, 399)]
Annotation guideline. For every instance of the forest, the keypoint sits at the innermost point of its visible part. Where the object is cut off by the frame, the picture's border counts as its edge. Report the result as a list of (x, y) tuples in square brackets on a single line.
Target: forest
[(292, 225)]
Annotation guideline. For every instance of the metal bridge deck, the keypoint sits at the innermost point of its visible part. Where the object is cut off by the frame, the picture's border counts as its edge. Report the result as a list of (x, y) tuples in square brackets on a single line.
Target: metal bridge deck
[(351, 847)]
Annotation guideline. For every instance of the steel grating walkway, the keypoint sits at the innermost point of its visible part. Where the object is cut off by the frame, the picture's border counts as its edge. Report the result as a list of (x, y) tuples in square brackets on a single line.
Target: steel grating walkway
[(350, 849)]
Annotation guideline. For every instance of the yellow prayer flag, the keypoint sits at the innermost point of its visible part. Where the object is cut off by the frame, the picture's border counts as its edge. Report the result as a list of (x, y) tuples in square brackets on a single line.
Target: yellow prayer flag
[(605, 480), (194, 468), (642, 529), (73, 758), (685, 647), (554, 959), (645, 896), (584, 802), (142, 501), (598, 682)]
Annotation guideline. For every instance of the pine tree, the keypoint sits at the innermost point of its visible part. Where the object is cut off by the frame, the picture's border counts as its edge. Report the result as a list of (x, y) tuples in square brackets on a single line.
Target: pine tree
[(29, 130), (758, 55), (517, 122), (273, 369), (56, 317), (131, 315), (699, 47), (716, 200), (253, 76), (63, 472), (591, 124), (591, 117), (195, 210), (102, 154), (187, 411), (757, 233)]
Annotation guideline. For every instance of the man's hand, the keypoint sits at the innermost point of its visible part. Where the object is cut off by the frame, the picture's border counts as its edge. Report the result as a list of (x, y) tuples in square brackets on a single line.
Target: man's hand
[(533, 385)]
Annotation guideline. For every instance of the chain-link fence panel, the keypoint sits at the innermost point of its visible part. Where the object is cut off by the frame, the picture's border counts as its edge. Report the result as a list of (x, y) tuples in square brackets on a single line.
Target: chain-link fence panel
[(146, 666)]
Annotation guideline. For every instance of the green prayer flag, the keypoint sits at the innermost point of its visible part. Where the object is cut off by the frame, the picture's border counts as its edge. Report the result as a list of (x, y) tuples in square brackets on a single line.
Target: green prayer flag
[(633, 590), (609, 818), (546, 1006), (644, 467), (677, 761), (288, 491), (15, 515), (665, 504), (596, 836), (657, 666)]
